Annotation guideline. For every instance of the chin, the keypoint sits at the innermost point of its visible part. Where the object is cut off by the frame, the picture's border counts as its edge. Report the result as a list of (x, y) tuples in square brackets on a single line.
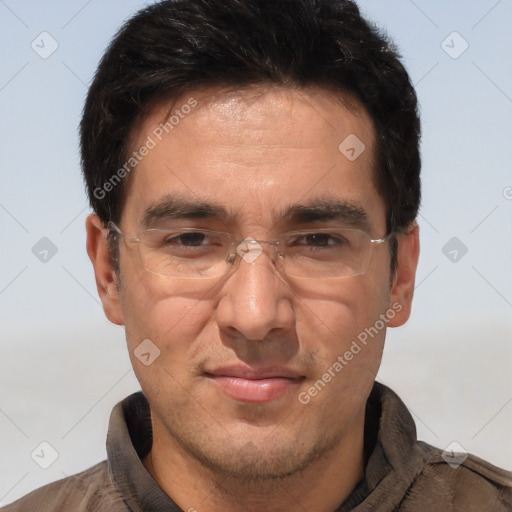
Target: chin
[(258, 460)]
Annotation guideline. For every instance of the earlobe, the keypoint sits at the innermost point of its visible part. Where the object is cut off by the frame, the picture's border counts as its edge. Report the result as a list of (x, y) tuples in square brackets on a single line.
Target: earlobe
[(106, 278), (402, 290)]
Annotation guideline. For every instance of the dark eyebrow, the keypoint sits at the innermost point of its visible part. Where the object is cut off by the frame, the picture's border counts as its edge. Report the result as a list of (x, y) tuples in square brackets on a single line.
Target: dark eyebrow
[(327, 209), (178, 207), (321, 209)]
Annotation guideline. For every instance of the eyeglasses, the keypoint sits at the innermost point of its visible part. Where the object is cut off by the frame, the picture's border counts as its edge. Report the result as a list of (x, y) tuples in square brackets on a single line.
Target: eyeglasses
[(190, 253)]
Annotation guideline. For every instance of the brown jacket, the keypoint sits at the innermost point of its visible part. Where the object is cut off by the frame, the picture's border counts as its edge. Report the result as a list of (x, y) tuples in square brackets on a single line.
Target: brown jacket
[(401, 475)]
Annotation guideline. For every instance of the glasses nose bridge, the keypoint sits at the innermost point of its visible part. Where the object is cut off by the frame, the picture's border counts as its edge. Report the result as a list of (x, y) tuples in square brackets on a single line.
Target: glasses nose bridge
[(272, 243), (251, 249)]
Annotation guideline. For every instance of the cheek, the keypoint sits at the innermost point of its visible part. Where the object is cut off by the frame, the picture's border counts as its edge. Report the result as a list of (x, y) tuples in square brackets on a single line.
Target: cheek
[(156, 308), (340, 310), (345, 336), (174, 326), (348, 324)]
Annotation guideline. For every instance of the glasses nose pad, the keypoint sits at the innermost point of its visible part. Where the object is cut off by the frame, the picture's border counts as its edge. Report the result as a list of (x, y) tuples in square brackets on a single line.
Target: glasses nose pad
[(278, 259)]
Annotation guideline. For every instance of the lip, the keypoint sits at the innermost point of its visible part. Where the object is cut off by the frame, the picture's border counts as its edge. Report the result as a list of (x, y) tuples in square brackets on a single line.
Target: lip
[(255, 385)]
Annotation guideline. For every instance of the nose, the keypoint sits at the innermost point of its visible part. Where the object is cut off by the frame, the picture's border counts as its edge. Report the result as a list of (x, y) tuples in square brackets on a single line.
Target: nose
[(255, 299)]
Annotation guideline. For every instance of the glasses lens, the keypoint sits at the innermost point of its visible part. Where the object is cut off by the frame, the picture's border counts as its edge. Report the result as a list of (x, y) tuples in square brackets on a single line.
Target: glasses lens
[(185, 253), (196, 254), (327, 254)]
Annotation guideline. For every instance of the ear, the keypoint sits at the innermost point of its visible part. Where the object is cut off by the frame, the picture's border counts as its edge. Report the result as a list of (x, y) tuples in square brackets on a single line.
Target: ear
[(402, 290), (106, 279)]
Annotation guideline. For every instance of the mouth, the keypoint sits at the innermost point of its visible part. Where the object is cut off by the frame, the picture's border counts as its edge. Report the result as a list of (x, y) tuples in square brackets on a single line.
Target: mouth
[(249, 385)]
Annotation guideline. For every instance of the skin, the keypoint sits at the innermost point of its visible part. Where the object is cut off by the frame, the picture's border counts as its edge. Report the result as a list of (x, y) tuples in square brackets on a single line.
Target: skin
[(255, 151)]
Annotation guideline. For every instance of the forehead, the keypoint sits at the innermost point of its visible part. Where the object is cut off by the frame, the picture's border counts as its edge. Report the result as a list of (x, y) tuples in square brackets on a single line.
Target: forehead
[(255, 151), (243, 116)]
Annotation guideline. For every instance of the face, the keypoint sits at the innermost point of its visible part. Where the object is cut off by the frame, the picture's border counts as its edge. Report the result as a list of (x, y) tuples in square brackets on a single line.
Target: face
[(257, 362)]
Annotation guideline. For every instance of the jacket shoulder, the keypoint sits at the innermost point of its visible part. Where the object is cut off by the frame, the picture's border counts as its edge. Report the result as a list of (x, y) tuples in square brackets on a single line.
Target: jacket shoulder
[(90, 490), (467, 484)]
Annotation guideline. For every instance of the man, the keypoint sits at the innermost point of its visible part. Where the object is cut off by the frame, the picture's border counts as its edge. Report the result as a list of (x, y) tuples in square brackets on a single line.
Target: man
[(253, 168)]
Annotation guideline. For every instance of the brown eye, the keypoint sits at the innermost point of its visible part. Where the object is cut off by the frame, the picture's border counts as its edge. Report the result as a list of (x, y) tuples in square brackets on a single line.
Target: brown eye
[(188, 239), (318, 239)]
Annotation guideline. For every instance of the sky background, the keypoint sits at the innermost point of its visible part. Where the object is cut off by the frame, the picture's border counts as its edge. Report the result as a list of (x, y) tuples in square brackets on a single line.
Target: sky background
[(63, 366)]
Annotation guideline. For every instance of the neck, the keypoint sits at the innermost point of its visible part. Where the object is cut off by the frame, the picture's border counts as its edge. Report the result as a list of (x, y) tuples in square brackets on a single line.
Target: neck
[(322, 486)]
